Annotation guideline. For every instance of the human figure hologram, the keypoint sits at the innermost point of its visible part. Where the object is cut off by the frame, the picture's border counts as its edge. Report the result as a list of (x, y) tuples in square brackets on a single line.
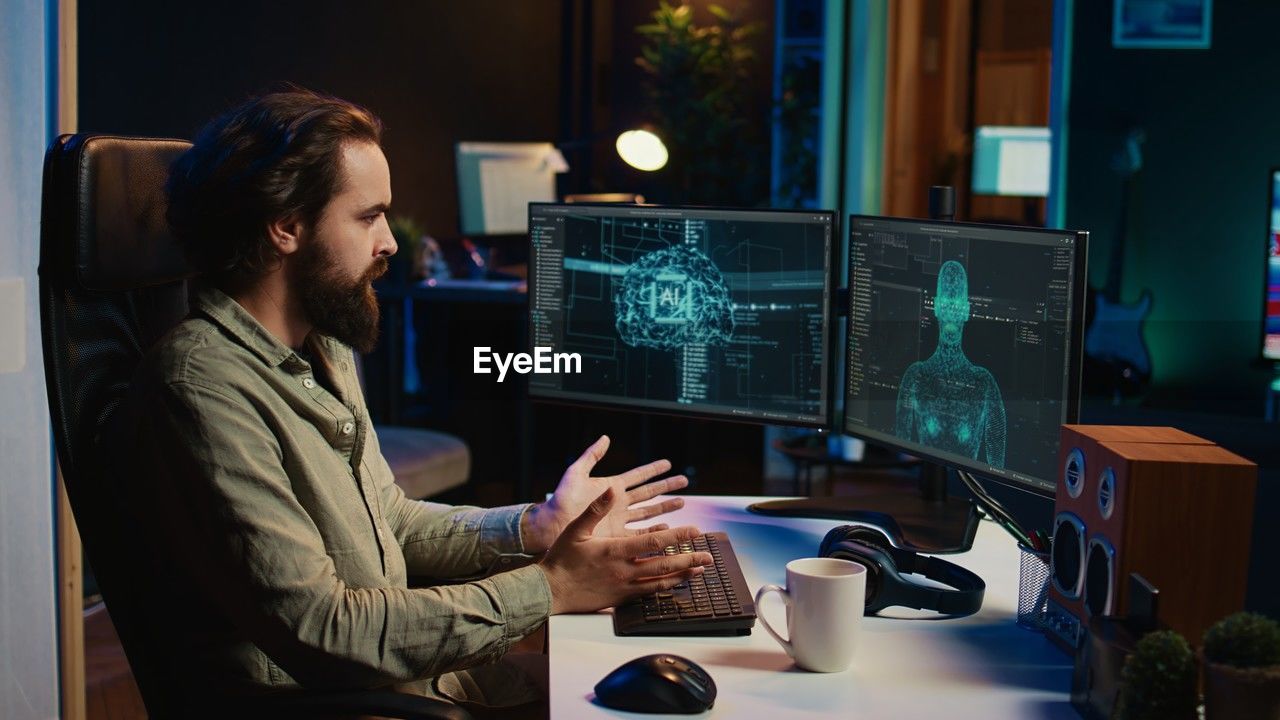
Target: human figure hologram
[(945, 401)]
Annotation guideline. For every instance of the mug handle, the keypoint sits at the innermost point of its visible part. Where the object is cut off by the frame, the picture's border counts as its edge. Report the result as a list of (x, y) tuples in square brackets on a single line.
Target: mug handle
[(786, 597)]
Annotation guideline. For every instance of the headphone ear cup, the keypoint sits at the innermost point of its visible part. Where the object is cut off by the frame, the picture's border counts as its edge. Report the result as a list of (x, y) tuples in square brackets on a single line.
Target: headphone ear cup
[(869, 536), (842, 543), (833, 536)]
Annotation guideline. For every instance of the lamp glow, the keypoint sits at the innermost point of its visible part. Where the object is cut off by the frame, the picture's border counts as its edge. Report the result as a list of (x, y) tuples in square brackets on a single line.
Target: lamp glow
[(642, 150)]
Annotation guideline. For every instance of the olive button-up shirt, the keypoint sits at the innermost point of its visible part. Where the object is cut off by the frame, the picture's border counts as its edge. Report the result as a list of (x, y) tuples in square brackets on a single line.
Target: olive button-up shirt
[(277, 526)]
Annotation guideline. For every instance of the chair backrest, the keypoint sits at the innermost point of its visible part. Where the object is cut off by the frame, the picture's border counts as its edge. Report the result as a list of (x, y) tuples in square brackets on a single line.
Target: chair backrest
[(112, 281)]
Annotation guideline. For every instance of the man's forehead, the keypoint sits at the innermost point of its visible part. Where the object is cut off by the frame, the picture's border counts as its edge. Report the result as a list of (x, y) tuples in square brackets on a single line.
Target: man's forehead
[(366, 178)]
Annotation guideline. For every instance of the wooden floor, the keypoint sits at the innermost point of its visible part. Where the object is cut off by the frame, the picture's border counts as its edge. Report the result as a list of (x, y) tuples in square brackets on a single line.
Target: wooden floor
[(110, 692)]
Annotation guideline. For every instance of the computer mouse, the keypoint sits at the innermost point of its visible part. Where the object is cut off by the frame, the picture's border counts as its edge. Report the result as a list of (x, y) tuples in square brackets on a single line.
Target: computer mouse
[(660, 683)]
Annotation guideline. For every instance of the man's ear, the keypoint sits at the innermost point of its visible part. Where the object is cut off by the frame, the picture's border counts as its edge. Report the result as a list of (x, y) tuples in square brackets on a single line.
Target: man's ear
[(285, 234)]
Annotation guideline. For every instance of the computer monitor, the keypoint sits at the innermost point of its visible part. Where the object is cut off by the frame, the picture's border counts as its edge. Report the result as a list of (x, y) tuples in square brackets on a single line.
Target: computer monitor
[(1011, 161), (694, 311), (1271, 312), (498, 180), (964, 343)]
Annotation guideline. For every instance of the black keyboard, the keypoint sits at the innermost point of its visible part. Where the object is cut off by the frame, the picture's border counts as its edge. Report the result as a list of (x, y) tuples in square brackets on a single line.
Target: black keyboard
[(717, 602)]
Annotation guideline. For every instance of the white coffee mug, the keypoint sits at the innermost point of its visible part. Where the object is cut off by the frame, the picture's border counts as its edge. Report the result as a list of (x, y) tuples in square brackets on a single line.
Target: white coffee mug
[(825, 599)]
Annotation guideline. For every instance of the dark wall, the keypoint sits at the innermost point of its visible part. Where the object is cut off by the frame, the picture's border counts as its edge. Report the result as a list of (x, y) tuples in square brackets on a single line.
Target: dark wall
[(436, 72), (1199, 207)]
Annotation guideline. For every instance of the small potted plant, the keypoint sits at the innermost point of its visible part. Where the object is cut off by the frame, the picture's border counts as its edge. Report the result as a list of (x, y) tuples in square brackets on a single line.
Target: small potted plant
[(1158, 681), (1242, 667)]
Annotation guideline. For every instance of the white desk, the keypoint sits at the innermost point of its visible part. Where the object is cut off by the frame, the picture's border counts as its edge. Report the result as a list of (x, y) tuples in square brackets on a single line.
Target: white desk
[(981, 666)]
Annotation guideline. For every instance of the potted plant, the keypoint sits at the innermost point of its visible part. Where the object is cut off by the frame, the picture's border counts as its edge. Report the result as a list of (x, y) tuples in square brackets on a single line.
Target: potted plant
[(1158, 681), (697, 79), (1242, 667)]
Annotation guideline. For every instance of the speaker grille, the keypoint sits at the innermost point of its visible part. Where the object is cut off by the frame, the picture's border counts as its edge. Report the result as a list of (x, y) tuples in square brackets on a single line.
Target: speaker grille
[(1067, 562), (1099, 580), (1107, 493), (1073, 473)]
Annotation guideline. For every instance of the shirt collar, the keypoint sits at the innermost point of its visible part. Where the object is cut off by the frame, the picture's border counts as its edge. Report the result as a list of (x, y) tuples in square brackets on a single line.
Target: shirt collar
[(243, 327)]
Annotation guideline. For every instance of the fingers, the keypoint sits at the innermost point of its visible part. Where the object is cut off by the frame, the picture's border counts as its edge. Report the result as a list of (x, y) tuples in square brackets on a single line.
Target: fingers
[(664, 565), (644, 473), (665, 583), (654, 510), (650, 529), (591, 455), (582, 526), (656, 488), (655, 541)]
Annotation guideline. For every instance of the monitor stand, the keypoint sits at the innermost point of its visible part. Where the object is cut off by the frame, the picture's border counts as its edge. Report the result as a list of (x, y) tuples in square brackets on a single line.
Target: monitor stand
[(926, 521)]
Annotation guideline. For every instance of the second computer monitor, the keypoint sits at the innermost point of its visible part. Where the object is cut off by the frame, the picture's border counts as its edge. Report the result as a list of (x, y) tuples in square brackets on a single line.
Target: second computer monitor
[(721, 313), (1011, 161), (964, 343)]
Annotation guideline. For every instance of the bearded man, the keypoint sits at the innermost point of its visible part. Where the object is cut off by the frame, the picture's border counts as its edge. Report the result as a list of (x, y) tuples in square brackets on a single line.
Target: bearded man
[(282, 548)]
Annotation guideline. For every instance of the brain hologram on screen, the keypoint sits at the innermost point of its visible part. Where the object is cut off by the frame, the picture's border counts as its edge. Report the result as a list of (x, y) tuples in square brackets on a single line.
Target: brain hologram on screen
[(673, 297)]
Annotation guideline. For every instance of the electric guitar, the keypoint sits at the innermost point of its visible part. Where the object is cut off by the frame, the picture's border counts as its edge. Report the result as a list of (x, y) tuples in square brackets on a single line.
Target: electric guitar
[(1117, 361)]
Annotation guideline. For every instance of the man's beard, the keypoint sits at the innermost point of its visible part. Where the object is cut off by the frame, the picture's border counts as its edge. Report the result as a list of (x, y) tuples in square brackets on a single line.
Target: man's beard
[(345, 311)]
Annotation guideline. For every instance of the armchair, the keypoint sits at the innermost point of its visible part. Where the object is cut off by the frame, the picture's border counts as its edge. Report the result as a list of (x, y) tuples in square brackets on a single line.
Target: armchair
[(112, 281)]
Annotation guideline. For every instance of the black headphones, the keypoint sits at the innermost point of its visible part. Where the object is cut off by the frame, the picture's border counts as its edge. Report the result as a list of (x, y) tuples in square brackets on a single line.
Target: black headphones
[(887, 567)]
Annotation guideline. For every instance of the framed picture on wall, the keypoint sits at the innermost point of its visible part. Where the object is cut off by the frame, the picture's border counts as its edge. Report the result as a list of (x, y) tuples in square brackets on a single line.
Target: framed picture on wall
[(1162, 24)]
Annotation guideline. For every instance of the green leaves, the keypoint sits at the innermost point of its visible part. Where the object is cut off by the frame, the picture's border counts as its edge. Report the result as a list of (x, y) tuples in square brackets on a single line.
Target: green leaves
[(699, 91), (1158, 681), (1243, 640)]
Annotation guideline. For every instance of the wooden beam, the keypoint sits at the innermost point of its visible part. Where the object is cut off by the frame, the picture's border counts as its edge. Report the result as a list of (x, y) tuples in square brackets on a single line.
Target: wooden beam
[(70, 610), (69, 565)]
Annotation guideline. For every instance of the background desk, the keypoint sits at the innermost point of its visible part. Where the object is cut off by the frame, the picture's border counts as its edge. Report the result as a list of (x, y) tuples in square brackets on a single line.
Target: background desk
[(982, 666)]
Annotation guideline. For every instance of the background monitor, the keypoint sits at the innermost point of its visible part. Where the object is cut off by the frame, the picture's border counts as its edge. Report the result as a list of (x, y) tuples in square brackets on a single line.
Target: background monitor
[(1271, 313), (718, 313), (498, 180), (964, 343), (1011, 161)]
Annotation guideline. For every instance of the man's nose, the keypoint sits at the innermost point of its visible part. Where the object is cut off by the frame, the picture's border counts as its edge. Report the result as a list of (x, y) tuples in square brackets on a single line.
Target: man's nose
[(386, 241)]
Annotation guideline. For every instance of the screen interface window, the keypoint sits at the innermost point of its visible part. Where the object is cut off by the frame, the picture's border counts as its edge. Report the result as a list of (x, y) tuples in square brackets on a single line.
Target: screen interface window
[(1271, 347), (959, 343), (702, 311)]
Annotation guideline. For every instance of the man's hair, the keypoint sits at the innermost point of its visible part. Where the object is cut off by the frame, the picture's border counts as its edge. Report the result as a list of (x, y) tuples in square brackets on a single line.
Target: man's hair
[(275, 155)]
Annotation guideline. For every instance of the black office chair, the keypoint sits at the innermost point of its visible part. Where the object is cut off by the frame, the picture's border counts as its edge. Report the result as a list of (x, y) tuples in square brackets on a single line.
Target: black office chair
[(112, 281)]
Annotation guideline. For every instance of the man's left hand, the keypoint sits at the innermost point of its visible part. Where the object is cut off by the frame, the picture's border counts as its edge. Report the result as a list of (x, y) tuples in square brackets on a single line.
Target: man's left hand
[(577, 489)]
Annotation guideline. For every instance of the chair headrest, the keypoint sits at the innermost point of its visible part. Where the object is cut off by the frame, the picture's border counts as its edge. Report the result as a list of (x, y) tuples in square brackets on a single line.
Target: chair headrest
[(116, 191)]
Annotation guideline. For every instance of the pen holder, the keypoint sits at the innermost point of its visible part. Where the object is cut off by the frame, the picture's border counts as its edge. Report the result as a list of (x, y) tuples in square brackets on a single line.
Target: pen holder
[(1033, 587)]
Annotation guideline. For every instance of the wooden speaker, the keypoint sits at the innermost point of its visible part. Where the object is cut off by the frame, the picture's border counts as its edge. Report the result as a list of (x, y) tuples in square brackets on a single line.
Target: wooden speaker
[(1172, 507)]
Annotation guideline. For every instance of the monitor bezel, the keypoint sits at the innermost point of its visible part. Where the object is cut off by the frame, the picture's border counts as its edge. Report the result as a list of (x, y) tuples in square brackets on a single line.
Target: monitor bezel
[(832, 330), (1273, 194), (1075, 357)]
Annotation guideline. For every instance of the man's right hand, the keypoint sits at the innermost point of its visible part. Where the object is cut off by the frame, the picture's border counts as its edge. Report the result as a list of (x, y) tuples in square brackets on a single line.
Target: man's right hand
[(589, 573)]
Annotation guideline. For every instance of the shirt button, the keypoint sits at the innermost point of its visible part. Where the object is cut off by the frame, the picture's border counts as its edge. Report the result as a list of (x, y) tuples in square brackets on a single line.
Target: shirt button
[(308, 383), (347, 428)]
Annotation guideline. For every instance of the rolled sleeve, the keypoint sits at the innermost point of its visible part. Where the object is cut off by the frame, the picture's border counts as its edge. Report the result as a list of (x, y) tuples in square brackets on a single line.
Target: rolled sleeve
[(451, 542), (456, 543), (524, 598)]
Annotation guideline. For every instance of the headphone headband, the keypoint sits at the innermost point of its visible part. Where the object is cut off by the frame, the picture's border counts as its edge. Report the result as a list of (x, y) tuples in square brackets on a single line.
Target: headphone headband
[(890, 568)]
